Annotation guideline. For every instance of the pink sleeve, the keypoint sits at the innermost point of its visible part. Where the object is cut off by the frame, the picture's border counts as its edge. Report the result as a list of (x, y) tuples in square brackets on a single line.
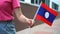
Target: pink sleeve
[(15, 3)]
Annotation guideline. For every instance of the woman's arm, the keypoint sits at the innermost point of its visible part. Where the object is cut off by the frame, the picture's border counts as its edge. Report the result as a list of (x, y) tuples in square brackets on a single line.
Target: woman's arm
[(21, 17)]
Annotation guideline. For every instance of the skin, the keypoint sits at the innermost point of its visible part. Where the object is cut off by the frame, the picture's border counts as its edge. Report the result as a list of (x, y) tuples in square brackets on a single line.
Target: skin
[(23, 18)]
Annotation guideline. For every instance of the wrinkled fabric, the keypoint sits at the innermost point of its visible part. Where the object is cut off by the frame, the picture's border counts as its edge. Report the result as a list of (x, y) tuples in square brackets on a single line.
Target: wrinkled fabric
[(6, 9)]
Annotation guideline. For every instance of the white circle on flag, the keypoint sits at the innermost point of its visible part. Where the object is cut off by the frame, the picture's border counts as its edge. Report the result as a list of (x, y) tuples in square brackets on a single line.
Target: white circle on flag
[(46, 14)]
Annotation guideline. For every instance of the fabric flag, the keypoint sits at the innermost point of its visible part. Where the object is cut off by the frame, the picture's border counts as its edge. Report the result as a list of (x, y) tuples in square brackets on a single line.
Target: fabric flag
[(46, 14)]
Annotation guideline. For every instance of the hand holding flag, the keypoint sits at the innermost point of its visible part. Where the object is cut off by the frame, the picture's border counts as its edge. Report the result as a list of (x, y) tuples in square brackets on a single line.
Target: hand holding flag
[(30, 22)]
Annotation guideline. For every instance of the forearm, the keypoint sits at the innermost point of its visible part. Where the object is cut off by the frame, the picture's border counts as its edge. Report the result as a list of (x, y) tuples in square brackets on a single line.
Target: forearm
[(22, 18), (20, 15)]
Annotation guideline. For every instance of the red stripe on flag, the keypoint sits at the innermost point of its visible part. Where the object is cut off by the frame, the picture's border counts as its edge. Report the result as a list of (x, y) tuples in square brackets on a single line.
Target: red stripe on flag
[(43, 19), (49, 9)]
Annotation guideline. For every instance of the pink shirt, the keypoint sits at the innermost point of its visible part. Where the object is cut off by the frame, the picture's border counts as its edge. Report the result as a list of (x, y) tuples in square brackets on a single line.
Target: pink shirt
[(6, 9)]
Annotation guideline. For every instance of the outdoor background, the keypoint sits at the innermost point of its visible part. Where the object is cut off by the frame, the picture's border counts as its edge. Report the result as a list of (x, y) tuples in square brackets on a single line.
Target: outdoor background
[(29, 8)]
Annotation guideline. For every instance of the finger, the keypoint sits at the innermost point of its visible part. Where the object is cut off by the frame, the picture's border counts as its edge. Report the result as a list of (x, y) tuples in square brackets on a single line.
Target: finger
[(31, 23)]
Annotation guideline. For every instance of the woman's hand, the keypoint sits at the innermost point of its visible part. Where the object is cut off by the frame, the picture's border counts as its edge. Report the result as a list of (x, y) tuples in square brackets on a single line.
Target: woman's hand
[(30, 22)]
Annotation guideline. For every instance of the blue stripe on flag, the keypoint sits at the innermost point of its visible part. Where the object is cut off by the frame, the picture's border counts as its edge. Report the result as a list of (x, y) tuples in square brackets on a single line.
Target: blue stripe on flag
[(42, 11)]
